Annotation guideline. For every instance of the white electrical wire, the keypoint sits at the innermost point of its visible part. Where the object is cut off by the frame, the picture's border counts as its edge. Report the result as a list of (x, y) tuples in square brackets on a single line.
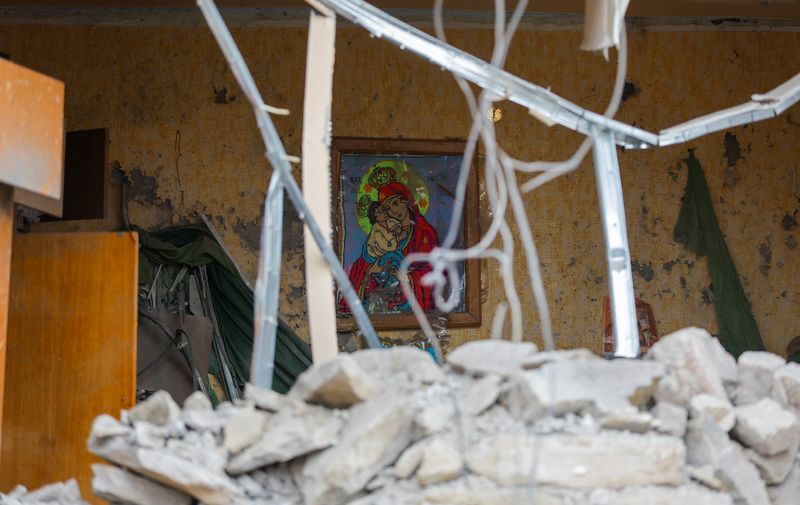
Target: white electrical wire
[(500, 174)]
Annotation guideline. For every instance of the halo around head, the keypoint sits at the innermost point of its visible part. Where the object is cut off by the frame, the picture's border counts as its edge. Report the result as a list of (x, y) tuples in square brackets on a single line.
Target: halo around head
[(382, 173)]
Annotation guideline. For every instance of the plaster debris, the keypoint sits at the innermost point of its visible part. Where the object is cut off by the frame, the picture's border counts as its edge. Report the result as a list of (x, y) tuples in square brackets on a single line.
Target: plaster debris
[(720, 410), (670, 419), (787, 492), (116, 485), (687, 353), (599, 387), (755, 373), (786, 386), (766, 427), (441, 462), (584, 430), (59, 493), (708, 445), (501, 357), (628, 420), (159, 409), (339, 382), (243, 428)]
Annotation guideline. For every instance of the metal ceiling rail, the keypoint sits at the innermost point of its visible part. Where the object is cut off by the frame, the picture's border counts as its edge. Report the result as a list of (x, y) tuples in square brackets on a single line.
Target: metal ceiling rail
[(268, 285), (546, 104)]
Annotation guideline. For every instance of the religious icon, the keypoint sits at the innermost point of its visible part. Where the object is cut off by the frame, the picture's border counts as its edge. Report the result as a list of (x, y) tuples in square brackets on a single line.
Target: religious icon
[(393, 198)]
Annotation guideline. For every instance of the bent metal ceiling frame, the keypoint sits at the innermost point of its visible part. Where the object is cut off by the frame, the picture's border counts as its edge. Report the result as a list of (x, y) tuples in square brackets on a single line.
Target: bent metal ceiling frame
[(542, 103)]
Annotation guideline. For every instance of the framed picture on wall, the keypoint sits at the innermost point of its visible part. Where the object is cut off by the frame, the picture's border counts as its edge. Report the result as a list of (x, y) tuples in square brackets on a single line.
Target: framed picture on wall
[(392, 198)]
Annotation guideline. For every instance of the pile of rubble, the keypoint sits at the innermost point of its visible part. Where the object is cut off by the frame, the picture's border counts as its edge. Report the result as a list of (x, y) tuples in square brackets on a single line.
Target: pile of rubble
[(501, 423), (59, 493)]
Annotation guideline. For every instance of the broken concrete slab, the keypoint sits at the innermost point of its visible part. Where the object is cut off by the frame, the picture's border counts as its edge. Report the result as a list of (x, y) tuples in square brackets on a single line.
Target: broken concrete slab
[(210, 487), (478, 395), (474, 491), (707, 444), (441, 462), (197, 401), (687, 494), (158, 409), (670, 419), (409, 461), (766, 427), (628, 420), (718, 409), (500, 357), (117, 485), (269, 400), (243, 428), (724, 362), (60, 493), (688, 356), (786, 386), (608, 460), (286, 436), (400, 367), (598, 387), (787, 492), (707, 476), (375, 435), (538, 359), (339, 382), (774, 469), (755, 371)]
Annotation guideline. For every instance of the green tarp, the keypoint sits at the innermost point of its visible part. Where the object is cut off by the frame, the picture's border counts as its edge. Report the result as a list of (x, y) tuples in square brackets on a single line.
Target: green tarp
[(698, 229), (232, 299)]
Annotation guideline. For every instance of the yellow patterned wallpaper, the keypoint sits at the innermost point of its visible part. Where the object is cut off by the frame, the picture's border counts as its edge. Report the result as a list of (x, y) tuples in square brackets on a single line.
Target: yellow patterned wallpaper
[(183, 134)]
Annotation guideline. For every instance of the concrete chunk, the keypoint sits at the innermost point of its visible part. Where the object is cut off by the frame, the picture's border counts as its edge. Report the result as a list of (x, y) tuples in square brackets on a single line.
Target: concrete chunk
[(243, 428), (287, 435), (720, 410), (116, 485), (339, 382), (766, 427), (608, 460), (670, 418), (707, 444), (400, 367), (479, 395), (628, 420), (684, 495), (687, 355), (597, 387), (441, 462), (409, 461), (197, 401), (500, 357), (774, 469), (158, 409), (755, 372), (377, 431), (786, 386), (787, 492)]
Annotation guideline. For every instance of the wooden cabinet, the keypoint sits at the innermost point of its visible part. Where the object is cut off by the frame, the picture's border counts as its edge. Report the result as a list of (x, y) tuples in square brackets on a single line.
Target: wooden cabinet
[(71, 352)]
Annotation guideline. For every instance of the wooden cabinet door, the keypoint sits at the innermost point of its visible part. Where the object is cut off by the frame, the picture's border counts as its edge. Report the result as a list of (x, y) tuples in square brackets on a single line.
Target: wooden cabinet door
[(71, 351)]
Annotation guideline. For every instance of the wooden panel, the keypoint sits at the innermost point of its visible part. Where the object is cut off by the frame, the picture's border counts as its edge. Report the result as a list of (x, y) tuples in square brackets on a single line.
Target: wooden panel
[(31, 130), (6, 232), (71, 351)]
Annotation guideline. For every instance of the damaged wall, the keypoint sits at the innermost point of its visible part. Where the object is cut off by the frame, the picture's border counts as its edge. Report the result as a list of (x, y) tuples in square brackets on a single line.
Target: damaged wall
[(183, 134)]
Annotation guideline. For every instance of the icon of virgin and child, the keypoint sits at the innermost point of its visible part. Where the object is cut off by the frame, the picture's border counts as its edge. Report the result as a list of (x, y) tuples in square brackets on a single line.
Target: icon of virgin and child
[(390, 207)]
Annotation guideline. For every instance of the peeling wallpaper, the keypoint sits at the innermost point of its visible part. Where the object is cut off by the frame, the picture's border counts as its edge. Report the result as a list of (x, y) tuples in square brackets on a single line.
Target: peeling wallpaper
[(185, 137)]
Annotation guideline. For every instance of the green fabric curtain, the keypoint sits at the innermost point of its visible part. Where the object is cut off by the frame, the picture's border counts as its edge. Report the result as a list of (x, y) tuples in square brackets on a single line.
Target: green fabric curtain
[(698, 229), (193, 246)]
